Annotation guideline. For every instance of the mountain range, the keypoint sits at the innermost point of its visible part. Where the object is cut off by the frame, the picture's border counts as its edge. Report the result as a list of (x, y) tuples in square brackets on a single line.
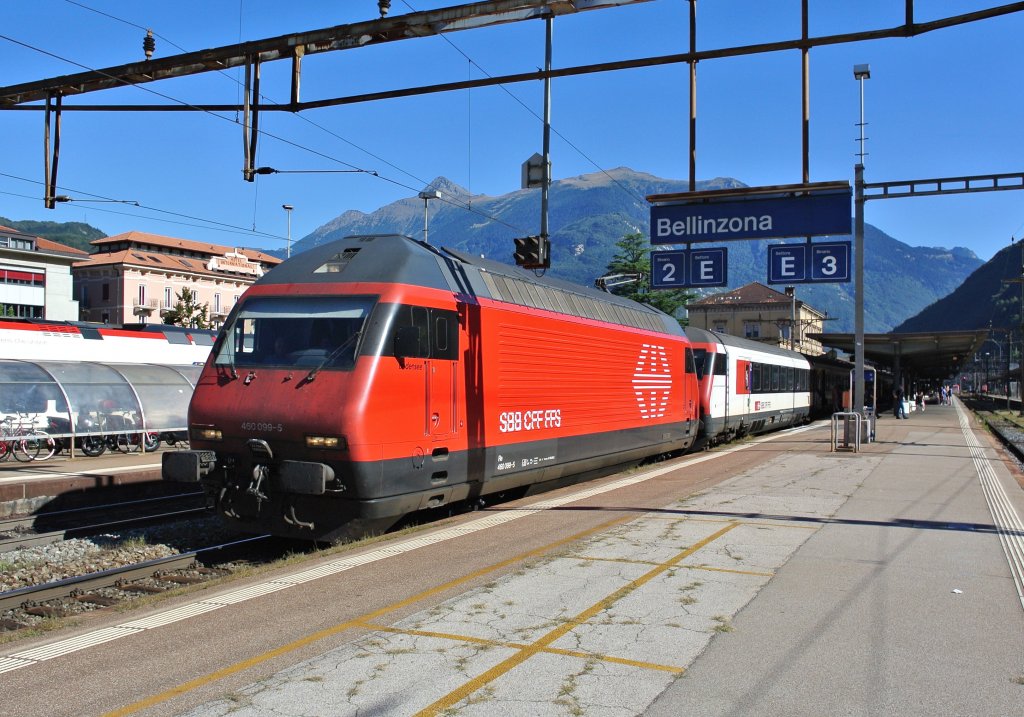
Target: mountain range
[(908, 288), (992, 296), (588, 214)]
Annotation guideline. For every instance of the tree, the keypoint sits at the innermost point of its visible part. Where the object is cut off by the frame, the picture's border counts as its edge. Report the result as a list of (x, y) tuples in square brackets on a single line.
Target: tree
[(188, 312), (634, 257)]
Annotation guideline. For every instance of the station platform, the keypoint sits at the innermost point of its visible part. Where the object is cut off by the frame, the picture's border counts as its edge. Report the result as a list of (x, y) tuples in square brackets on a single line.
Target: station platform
[(770, 577)]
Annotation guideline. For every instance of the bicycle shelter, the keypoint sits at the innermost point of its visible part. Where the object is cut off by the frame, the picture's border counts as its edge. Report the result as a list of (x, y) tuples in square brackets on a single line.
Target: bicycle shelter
[(72, 399)]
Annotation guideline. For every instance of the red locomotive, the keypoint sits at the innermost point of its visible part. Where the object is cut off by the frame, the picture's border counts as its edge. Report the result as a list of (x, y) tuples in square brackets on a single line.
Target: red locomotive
[(375, 376)]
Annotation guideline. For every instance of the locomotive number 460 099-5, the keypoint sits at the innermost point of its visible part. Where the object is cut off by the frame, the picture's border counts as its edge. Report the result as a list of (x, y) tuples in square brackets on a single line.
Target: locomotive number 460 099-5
[(263, 427), (512, 421)]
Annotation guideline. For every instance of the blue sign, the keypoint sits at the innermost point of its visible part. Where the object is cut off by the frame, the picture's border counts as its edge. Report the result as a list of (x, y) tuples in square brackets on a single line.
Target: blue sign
[(827, 262), (708, 267), (787, 263), (689, 268), (804, 215), (830, 261)]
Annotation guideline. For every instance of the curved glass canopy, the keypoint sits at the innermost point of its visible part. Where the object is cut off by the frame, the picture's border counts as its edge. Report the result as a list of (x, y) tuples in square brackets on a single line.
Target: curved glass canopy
[(76, 398)]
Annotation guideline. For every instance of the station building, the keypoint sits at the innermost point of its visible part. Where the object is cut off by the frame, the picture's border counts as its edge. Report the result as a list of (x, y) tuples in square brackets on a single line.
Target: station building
[(137, 277), (35, 277), (760, 313)]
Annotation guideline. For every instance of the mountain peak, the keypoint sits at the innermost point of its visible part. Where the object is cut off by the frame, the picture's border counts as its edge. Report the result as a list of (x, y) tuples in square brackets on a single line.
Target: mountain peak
[(448, 188)]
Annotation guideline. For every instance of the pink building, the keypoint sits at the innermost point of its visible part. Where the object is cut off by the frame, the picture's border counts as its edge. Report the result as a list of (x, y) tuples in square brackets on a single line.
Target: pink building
[(137, 277)]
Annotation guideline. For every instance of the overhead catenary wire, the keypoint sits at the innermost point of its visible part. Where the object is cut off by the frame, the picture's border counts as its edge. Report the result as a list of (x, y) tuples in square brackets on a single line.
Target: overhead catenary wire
[(561, 136), (208, 223), (449, 199)]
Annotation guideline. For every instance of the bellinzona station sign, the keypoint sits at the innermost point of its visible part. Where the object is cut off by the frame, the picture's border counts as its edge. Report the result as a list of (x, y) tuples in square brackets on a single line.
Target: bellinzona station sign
[(797, 210)]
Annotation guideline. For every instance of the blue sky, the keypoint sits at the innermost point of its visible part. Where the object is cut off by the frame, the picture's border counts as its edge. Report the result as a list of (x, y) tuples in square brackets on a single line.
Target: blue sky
[(944, 104)]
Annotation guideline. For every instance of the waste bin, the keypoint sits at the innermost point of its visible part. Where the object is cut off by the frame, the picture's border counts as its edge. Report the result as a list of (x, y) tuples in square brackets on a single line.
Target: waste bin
[(868, 425)]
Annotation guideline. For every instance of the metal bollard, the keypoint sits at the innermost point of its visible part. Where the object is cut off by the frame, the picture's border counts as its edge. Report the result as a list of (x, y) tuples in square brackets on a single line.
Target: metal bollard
[(852, 423)]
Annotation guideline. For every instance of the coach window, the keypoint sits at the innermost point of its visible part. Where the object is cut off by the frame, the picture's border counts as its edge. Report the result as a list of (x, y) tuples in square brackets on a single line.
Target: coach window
[(700, 362), (755, 378)]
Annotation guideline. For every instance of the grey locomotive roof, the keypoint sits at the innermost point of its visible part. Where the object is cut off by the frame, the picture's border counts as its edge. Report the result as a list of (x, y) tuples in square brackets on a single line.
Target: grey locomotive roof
[(394, 258)]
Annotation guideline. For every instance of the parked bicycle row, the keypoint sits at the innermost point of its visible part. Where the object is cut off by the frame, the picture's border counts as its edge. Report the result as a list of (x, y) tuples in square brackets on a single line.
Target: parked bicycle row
[(23, 438)]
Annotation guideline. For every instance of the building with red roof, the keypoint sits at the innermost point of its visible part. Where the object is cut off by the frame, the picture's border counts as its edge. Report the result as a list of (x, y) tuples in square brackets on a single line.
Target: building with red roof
[(35, 277), (758, 312), (139, 277)]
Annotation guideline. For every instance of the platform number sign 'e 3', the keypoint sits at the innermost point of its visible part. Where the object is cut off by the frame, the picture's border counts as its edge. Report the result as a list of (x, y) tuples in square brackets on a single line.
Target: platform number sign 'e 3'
[(820, 263)]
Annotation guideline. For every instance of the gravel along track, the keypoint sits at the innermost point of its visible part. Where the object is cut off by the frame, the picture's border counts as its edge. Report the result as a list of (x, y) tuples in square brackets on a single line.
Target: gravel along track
[(80, 556)]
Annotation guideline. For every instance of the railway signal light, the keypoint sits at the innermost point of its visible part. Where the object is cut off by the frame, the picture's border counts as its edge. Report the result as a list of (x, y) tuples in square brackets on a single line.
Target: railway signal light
[(532, 252)]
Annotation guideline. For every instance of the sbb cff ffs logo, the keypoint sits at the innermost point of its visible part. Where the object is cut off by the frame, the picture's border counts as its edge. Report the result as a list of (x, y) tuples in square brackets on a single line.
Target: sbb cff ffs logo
[(533, 252)]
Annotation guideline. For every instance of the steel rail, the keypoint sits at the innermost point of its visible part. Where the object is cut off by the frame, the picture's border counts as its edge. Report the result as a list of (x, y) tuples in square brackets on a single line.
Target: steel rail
[(114, 577), (28, 540)]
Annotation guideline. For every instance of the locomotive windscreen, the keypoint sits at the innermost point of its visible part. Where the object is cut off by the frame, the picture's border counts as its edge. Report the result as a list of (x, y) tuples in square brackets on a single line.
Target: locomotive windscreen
[(285, 331)]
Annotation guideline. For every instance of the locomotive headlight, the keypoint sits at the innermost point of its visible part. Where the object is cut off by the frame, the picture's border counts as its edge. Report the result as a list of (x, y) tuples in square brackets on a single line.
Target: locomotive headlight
[(206, 433), (325, 442)]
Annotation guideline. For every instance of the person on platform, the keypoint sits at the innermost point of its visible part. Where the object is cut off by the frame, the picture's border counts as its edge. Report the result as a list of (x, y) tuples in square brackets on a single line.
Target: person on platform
[(898, 410)]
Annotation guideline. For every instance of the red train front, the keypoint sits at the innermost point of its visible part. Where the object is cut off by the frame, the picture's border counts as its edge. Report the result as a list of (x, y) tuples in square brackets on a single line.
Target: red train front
[(376, 376)]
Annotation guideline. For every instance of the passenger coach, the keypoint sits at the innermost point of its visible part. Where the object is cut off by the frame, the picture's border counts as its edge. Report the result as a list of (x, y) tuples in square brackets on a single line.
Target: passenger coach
[(747, 387), (376, 376)]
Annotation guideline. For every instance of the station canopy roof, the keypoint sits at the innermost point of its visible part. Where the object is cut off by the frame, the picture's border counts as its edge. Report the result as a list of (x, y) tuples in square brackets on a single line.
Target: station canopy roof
[(929, 355), (80, 397)]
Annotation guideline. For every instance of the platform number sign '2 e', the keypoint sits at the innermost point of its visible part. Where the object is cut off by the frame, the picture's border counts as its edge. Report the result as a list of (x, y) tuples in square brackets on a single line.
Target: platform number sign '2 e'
[(689, 268), (824, 262)]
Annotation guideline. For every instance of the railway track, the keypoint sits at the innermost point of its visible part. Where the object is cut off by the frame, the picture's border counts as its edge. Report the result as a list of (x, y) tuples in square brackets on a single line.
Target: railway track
[(43, 529), (148, 577)]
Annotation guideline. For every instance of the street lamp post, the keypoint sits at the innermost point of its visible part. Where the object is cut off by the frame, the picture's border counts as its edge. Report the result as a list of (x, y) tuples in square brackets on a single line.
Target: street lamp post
[(426, 196), (860, 73), (288, 210)]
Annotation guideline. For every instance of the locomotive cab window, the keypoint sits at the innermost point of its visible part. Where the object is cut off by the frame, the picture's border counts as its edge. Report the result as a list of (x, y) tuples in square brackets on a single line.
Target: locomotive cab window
[(422, 332), (287, 331)]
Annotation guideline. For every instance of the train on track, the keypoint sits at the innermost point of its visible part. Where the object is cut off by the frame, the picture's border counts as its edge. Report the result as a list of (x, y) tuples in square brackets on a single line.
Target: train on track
[(376, 376), (40, 340)]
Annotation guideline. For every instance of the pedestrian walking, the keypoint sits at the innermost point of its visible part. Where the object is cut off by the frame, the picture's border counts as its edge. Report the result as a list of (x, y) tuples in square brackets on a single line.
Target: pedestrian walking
[(899, 410)]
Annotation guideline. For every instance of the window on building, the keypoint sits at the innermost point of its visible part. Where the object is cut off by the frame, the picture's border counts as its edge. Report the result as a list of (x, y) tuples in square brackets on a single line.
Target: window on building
[(106, 294), (142, 294), (720, 327), (216, 303), (167, 297), (752, 329)]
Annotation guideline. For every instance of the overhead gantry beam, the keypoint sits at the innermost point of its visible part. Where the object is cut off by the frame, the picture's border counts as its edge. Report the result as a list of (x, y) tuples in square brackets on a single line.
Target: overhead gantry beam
[(297, 45)]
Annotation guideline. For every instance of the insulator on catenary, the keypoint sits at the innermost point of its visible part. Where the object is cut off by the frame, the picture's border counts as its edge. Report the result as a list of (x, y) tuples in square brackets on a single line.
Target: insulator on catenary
[(149, 44)]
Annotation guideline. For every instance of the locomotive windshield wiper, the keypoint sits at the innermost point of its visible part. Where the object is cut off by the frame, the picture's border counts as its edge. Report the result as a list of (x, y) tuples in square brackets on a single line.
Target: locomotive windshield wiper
[(333, 355)]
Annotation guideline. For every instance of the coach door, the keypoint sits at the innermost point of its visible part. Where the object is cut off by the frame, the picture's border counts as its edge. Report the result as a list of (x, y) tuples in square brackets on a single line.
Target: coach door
[(441, 374)]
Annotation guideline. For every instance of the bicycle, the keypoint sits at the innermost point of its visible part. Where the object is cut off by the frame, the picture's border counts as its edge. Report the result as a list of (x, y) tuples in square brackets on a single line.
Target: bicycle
[(26, 442)]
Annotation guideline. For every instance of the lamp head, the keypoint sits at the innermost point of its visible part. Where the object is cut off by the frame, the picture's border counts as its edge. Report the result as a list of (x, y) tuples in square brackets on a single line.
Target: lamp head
[(862, 72)]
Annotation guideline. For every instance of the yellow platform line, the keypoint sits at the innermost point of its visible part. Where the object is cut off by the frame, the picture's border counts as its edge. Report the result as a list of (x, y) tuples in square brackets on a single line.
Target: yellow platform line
[(357, 622), (628, 561), (456, 696), (522, 646)]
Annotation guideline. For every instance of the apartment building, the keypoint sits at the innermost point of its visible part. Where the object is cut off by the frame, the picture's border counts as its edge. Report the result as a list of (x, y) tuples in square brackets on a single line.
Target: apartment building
[(758, 312), (137, 277)]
